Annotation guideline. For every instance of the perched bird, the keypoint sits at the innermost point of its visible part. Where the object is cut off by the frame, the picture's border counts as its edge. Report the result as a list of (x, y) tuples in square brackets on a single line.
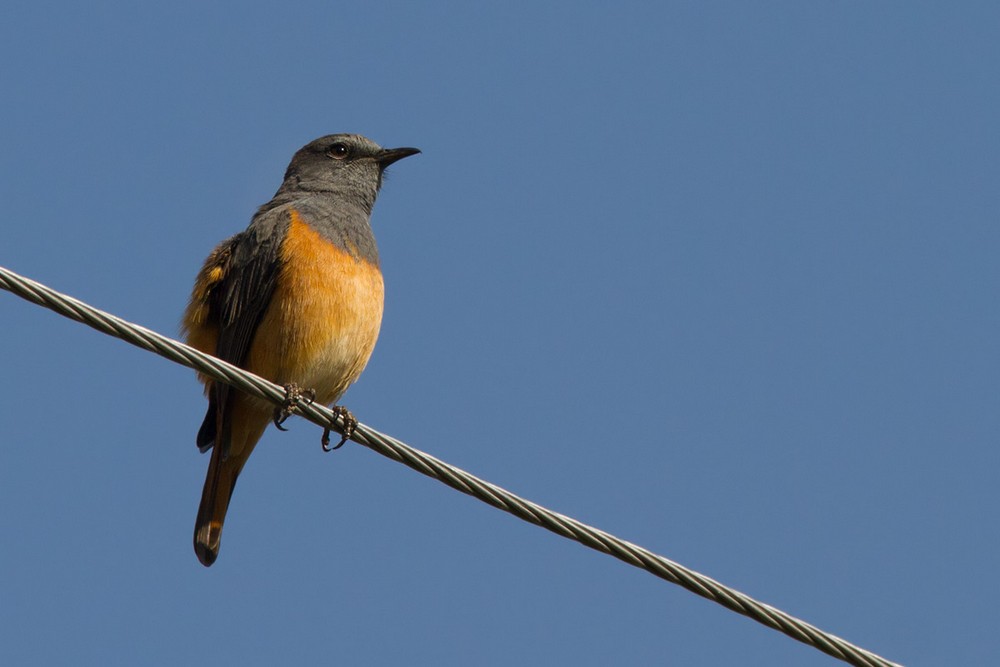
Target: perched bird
[(295, 298)]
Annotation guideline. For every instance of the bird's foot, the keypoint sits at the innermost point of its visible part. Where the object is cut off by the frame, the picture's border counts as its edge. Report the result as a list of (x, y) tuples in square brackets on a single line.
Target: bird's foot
[(293, 396), (350, 424)]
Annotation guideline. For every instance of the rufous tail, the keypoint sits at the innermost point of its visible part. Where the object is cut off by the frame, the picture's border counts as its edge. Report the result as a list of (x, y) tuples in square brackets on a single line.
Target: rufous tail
[(247, 425), (219, 485)]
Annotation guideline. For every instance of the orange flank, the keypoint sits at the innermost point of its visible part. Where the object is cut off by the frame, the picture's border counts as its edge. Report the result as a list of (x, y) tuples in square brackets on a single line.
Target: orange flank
[(202, 333)]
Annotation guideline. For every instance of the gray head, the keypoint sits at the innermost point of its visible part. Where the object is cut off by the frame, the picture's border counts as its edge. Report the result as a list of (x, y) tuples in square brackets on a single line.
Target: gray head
[(344, 165)]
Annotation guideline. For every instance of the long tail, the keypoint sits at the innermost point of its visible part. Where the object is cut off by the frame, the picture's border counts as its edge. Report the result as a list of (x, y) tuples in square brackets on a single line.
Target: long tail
[(242, 428), (219, 485)]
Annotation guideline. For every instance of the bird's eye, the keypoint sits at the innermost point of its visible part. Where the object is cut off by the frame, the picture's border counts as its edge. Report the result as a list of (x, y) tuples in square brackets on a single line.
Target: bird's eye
[(338, 151)]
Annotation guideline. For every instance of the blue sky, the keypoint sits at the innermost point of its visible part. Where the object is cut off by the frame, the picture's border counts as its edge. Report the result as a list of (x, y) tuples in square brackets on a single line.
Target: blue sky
[(719, 278)]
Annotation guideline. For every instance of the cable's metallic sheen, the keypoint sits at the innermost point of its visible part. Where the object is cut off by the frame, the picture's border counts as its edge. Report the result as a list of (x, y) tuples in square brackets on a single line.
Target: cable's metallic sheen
[(450, 475)]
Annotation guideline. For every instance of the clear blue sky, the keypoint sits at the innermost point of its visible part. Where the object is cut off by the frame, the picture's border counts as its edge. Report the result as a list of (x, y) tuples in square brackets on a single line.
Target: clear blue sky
[(720, 278)]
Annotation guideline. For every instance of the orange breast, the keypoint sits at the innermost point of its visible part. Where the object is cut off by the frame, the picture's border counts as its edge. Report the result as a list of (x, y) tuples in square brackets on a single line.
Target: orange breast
[(324, 317)]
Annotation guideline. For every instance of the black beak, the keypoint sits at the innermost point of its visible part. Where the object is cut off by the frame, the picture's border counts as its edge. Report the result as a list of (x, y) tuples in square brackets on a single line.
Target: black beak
[(389, 155)]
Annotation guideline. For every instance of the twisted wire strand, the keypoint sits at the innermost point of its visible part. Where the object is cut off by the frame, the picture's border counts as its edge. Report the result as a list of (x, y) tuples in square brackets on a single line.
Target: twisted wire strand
[(454, 477)]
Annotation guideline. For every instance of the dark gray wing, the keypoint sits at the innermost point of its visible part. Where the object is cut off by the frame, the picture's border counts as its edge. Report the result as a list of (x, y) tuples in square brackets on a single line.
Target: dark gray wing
[(240, 300)]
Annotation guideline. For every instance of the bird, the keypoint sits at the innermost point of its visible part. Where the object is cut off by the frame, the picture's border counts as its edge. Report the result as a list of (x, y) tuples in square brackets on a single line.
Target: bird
[(296, 298)]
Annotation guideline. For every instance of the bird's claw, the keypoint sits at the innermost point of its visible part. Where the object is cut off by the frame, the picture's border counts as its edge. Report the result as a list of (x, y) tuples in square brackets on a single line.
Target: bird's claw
[(350, 425), (293, 396)]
